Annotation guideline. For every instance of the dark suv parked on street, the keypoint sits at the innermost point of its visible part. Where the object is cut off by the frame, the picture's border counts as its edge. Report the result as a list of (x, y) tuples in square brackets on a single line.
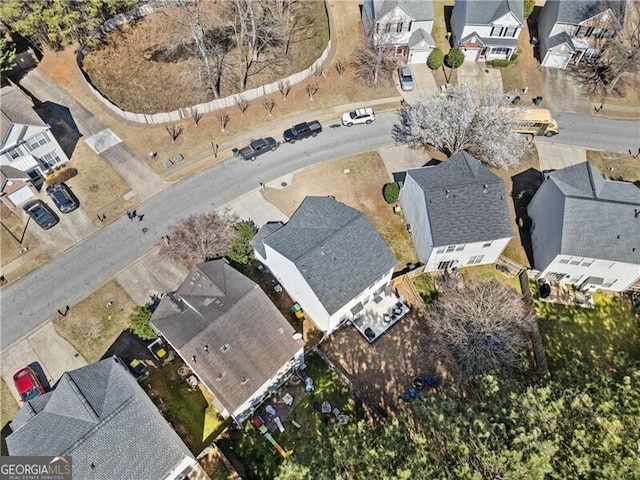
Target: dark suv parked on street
[(41, 214), (63, 197)]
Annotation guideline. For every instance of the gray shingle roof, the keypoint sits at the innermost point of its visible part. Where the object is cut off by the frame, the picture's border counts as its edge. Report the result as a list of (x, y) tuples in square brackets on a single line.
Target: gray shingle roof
[(266, 230), (596, 212), (484, 12), (559, 39), (335, 248), (420, 35), (577, 11), (499, 41), (466, 202), (416, 9), (16, 108), (100, 416), (8, 172), (216, 306)]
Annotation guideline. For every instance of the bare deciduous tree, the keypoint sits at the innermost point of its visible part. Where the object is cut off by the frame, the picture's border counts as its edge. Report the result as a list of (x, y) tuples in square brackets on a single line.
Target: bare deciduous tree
[(285, 87), (372, 60), (242, 104), (485, 326), (223, 120), (269, 104), (481, 122), (174, 131), (196, 115), (200, 237), (312, 89)]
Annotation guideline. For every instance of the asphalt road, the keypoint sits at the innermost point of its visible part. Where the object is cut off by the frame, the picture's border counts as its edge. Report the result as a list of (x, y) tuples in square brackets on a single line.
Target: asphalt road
[(65, 280)]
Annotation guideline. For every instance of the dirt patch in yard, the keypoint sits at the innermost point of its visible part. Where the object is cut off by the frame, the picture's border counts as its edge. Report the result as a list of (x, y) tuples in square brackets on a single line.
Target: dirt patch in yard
[(361, 189), (95, 323)]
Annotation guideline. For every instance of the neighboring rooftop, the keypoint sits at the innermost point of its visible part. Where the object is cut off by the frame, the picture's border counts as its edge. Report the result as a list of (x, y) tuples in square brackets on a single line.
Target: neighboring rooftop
[(485, 12), (576, 11), (335, 248), (100, 416), (466, 202), (416, 9), (601, 216), (15, 108), (248, 340)]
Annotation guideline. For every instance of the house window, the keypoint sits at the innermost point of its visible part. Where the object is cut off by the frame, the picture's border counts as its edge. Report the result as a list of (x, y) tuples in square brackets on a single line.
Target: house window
[(582, 31), (50, 159), (14, 153), (609, 283), (591, 54), (563, 260), (37, 141), (440, 250), (451, 248), (608, 33), (460, 248), (500, 51), (387, 28), (487, 245), (586, 263), (575, 262), (597, 32), (511, 32), (399, 27), (497, 31), (475, 259)]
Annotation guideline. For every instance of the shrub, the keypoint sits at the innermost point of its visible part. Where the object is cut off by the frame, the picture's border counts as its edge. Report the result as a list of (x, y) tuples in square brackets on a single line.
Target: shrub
[(499, 63), (454, 58), (64, 175), (435, 59), (139, 323), (528, 7), (390, 192), (514, 57), (241, 249)]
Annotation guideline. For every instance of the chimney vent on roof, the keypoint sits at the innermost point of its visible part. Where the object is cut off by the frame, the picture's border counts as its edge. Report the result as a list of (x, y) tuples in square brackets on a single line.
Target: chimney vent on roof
[(485, 188), (446, 193), (636, 212), (618, 237)]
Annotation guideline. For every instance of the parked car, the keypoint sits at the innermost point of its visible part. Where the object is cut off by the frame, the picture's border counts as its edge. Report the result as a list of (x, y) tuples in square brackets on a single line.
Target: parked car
[(258, 147), (361, 115), (406, 79), (301, 131), (28, 384), (63, 197), (41, 214)]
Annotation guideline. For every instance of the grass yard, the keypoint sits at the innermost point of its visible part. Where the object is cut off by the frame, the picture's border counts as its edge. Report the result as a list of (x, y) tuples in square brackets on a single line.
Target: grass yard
[(12, 243), (181, 406), (91, 326), (589, 336), (259, 457), (425, 285), (626, 167), (360, 189), (97, 185), (489, 272)]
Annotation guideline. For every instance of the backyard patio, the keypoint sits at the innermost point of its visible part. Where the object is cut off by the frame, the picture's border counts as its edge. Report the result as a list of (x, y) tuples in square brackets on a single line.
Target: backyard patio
[(380, 315), (565, 294)]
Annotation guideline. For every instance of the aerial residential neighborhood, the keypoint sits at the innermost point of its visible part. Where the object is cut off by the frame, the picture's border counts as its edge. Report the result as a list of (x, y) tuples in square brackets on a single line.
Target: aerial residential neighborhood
[(284, 239)]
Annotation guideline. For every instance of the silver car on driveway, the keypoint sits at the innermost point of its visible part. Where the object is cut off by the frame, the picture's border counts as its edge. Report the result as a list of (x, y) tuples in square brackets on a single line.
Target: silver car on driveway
[(406, 79)]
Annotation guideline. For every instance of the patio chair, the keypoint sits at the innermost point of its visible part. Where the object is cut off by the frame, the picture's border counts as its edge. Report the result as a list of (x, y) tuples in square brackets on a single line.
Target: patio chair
[(326, 407), (177, 158), (336, 412), (167, 164)]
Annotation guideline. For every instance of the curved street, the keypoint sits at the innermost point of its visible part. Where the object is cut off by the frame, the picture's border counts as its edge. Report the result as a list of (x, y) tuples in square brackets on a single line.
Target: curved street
[(32, 300)]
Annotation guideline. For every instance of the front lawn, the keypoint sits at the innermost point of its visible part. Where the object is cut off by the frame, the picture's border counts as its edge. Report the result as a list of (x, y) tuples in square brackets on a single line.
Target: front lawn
[(589, 336), (260, 458)]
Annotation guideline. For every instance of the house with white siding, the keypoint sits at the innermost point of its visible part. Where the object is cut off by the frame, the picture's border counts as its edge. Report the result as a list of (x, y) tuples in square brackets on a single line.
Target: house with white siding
[(26, 142), (586, 229), (231, 336), (487, 29), (404, 26), (329, 259), (574, 30), (457, 213)]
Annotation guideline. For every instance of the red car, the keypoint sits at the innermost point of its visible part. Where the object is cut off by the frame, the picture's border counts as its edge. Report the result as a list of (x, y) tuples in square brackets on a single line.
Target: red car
[(27, 384)]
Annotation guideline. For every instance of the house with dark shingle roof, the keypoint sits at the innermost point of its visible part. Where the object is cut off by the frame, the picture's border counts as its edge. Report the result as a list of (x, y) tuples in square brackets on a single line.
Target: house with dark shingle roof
[(572, 30), (586, 229), (487, 29), (26, 142), (102, 418), (329, 258), (230, 334), (404, 26), (457, 213)]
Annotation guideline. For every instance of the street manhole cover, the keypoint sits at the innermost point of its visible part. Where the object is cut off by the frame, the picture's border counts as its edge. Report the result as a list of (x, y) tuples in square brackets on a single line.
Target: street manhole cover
[(284, 184)]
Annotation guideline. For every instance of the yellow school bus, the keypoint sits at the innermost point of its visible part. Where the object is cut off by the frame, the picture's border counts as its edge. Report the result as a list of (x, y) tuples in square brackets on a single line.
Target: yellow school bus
[(537, 121)]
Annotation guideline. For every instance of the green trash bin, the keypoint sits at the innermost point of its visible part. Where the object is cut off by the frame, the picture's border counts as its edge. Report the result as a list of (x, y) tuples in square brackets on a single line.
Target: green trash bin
[(236, 153), (537, 101)]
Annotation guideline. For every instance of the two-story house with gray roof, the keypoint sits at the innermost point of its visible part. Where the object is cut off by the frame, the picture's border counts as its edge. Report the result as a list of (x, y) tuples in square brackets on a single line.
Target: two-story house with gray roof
[(487, 29), (403, 26), (329, 258), (26, 142), (230, 334), (100, 417), (457, 213), (573, 30), (586, 229)]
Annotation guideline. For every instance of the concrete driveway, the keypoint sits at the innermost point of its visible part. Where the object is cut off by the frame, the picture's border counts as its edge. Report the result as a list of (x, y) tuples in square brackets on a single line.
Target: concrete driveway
[(51, 354), (561, 94), (424, 82), (555, 157), (478, 75)]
